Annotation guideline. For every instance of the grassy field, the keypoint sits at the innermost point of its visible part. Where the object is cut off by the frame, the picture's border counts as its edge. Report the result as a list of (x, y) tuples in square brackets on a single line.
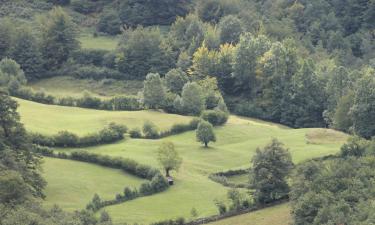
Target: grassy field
[(50, 119), (100, 42), (63, 86), (72, 184), (237, 142), (277, 215)]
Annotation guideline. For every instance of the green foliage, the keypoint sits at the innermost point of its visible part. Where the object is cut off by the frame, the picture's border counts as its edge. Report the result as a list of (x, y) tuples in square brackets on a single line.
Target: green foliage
[(355, 146), (215, 117), (213, 10), (342, 119), (205, 133), (271, 166), (109, 23), (192, 100), (146, 13), (168, 157), (304, 108), (58, 38), (364, 106), (248, 51), (150, 130), (175, 80), (153, 91), (11, 74), (142, 52), (135, 133), (333, 192), (26, 52), (230, 29)]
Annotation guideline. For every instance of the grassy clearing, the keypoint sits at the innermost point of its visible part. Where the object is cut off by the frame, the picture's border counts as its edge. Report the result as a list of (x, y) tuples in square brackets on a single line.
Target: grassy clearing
[(72, 184), (279, 215), (49, 119), (239, 179), (100, 42), (237, 142), (63, 86)]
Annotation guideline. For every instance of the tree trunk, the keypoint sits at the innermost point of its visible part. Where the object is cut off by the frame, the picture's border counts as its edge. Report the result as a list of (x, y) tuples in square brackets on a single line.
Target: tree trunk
[(167, 172), (205, 144)]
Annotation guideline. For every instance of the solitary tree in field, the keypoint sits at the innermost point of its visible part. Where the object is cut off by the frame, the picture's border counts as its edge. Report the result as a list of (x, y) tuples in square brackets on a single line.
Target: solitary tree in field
[(271, 166), (205, 133), (168, 157)]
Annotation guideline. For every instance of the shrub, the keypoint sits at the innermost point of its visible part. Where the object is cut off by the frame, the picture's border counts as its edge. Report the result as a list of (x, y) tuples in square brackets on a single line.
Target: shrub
[(66, 101), (178, 221), (95, 72), (146, 189), (66, 139), (126, 103), (89, 101), (109, 23), (135, 133), (215, 117), (159, 183), (89, 56), (150, 130), (83, 6)]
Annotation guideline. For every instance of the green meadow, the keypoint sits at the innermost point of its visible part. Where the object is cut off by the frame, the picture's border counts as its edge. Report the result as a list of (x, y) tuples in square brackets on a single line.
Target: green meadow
[(276, 215), (236, 143), (50, 119), (101, 42)]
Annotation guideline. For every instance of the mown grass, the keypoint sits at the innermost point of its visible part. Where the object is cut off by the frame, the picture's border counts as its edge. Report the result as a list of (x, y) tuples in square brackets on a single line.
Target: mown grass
[(276, 215), (237, 143), (50, 119), (63, 86), (72, 184)]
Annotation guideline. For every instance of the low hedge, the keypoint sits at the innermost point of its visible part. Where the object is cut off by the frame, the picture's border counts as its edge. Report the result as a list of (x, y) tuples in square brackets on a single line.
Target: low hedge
[(112, 133), (156, 182), (116, 103), (222, 178), (127, 165)]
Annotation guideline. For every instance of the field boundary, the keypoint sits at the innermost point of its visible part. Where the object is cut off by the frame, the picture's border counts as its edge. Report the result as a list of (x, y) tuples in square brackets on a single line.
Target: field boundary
[(226, 215)]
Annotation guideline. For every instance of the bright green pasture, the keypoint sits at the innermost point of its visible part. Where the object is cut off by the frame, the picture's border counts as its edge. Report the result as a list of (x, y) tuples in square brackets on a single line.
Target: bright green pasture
[(72, 184), (63, 86), (49, 119), (237, 143), (277, 215), (100, 42)]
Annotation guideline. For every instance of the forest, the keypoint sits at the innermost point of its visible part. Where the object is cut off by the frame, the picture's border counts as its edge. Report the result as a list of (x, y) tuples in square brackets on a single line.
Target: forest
[(262, 102)]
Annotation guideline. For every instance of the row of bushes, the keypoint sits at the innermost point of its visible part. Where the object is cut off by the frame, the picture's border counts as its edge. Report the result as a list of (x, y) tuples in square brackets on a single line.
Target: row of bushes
[(157, 184), (127, 165), (116, 103), (112, 133), (222, 178)]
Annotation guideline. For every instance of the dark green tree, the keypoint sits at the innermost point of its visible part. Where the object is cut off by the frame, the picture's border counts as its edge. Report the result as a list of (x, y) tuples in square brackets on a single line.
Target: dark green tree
[(26, 52), (364, 106), (175, 80), (58, 38), (144, 51), (192, 99), (230, 28), (271, 166)]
